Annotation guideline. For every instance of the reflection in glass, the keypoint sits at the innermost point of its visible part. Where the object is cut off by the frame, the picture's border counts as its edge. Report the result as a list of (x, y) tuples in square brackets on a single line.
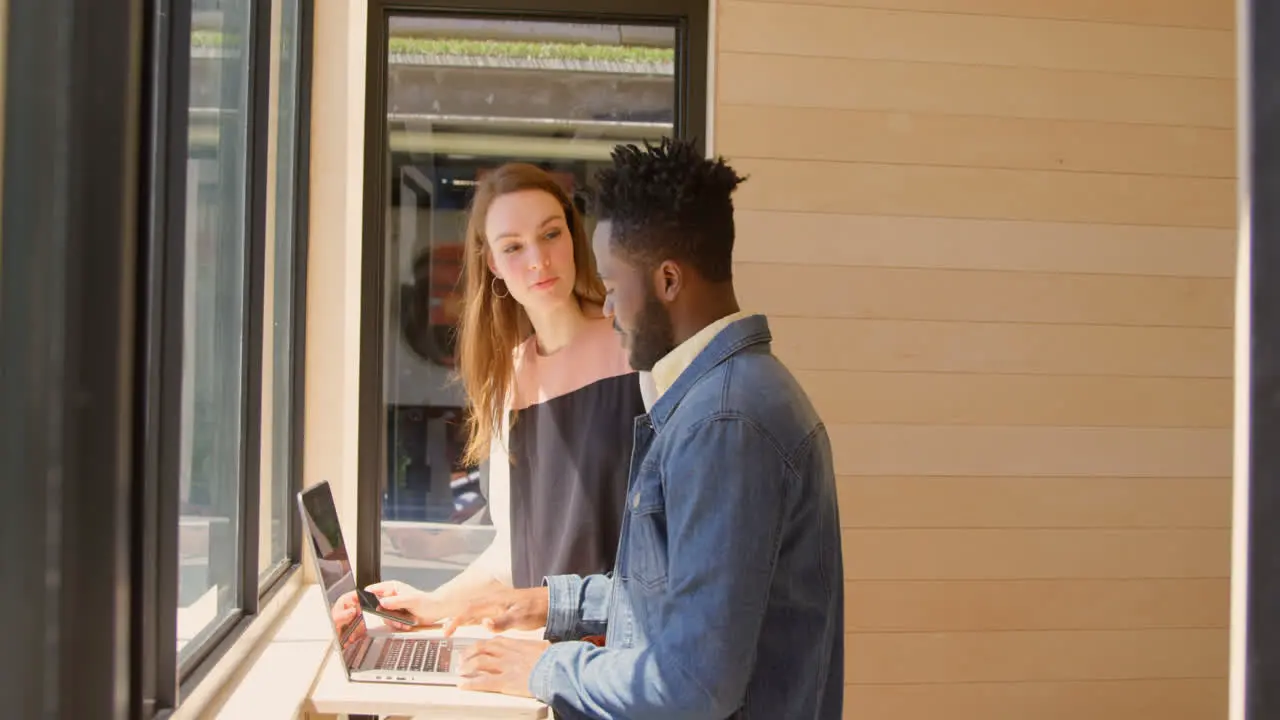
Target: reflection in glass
[(214, 320), (332, 563), (465, 96)]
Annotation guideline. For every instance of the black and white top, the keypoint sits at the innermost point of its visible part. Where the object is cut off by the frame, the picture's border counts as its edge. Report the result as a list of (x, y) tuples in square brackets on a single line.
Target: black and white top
[(558, 476)]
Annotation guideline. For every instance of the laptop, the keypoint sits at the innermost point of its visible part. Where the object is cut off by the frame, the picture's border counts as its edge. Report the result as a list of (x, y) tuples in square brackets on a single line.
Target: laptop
[(399, 658)]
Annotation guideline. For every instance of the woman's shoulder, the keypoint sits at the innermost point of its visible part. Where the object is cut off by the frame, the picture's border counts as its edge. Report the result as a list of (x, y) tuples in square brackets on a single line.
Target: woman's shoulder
[(604, 349), (595, 355), (526, 351), (524, 375)]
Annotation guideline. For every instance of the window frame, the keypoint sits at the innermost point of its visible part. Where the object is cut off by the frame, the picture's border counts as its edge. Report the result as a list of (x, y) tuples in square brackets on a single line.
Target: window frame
[(691, 19), (67, 300), (160, 680), (1256, 667)]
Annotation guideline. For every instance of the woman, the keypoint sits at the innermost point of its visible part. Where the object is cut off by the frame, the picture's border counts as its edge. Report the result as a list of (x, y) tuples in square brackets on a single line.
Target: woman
[(551, 398)]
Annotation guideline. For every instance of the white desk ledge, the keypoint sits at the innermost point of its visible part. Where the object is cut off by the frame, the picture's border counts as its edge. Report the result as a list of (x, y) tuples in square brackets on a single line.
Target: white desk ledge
[(334, 694)]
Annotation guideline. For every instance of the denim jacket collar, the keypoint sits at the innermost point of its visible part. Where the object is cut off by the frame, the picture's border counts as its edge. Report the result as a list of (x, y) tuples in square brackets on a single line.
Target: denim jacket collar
[(733, 339)]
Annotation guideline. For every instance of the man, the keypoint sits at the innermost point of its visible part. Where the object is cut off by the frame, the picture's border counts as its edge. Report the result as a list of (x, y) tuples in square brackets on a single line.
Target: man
[(727, 596)]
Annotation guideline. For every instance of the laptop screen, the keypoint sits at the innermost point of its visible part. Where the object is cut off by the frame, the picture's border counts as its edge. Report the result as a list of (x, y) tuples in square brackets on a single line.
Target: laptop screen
[(332, 564)]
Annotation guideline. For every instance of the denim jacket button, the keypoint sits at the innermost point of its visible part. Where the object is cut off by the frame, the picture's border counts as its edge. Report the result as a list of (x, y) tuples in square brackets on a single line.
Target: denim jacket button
[(635, 501)]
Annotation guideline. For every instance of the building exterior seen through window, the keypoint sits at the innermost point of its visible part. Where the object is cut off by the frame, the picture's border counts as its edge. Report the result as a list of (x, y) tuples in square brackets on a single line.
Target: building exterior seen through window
[(213, 389), (220, 225), (463, 97)]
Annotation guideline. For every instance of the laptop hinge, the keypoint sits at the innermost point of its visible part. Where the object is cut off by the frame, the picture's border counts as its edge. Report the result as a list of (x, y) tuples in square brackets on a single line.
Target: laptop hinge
[(358, 661)]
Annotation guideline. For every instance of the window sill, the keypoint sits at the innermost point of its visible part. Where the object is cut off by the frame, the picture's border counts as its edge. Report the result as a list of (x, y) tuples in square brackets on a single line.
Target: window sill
[(269, 671)]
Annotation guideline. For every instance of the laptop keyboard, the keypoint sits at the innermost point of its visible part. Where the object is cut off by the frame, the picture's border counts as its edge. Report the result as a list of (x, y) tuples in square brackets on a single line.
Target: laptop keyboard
[(415, 655)]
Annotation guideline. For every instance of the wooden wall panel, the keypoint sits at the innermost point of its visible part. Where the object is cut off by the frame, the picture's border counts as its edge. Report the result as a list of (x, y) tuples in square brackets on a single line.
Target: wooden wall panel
[(1030, 451), (874, 34), (907, 501), (924, 398), (1035, 656), (995, 239), (1044, 554), (965, 192), (994, 605), (1216, 14), (916, 138), (915, 346), (961, 244), (1166, 699), (917, 294), (796, 81)]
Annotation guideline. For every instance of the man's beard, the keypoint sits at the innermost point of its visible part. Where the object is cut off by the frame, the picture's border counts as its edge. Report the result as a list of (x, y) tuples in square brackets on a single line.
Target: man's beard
[(653, 336)]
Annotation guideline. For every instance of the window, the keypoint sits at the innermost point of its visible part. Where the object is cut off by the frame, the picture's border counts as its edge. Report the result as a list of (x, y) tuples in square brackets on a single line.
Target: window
[(214, 352), (226, 252), (151, 286), (464, 93)]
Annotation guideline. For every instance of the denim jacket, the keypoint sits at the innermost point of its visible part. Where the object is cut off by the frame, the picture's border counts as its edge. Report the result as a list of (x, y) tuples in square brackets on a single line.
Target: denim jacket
[(727, 596)]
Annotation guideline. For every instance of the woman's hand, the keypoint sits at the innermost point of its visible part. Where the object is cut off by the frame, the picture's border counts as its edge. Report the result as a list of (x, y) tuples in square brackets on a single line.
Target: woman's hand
[(345, 610), (494, 606), (502, 610), (427, 608)]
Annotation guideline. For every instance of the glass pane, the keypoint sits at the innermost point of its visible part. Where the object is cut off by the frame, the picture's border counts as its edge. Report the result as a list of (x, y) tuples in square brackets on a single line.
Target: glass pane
[(465, 96), (277, 348), (214, 319)]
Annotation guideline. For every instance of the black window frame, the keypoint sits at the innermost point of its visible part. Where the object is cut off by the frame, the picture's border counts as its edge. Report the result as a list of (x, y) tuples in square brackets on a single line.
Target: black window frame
[(1259, 235), (67, 301), (91, 323), (160, 681), (691, 20)]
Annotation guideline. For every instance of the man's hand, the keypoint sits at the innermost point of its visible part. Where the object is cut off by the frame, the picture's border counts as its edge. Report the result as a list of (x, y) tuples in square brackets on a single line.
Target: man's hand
[(501, 665), (427, 608), (502, 610)]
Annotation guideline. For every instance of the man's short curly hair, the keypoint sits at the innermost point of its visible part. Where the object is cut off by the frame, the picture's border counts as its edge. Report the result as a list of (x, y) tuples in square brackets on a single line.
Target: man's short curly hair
[(668, 202)]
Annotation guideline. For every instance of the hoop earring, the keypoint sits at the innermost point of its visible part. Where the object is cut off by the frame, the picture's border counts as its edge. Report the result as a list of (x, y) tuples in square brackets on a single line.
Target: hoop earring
[(493, 287)]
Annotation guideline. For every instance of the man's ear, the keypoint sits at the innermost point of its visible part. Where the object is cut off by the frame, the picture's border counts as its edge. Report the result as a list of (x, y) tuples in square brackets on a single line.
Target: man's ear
[(668, 281)]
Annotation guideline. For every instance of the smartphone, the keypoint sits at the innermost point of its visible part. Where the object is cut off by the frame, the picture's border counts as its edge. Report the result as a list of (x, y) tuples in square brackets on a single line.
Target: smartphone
[(369, 603)]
